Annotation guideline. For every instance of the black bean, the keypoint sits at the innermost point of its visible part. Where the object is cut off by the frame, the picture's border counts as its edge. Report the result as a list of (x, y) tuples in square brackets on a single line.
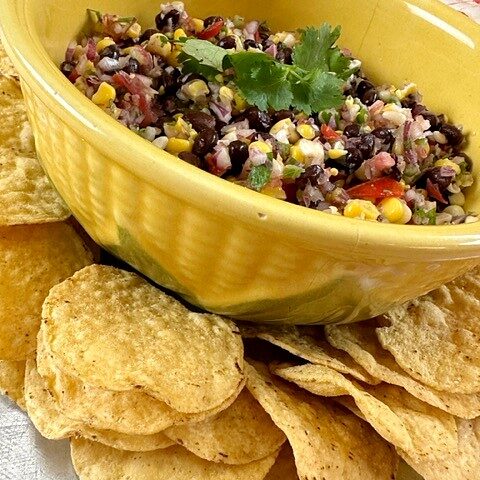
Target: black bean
[(410, 101), (266, 43), (67, 68), (433, 119), (315, 174), (190, 158), (352, 130), (367, 145), (281, 115), (112, 51), (169, 21), (170, 81), (257, 119), (211, 20), (228, 42), (453, 134), (384, 134), (441, 176), (147, 34), (238, 152), (418, 109), (132, 66), (366, 92), (353, 159), (284, 55), (204, 142), (200, 120), (248, 43)]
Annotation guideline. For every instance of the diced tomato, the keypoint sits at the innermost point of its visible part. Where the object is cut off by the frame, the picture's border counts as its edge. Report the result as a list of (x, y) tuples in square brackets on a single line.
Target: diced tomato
[(211, 31), (377, 189), (328, 132), (434, 192)]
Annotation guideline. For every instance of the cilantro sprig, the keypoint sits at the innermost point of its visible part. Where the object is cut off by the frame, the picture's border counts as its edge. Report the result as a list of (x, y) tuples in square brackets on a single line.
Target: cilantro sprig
[(312, 83)]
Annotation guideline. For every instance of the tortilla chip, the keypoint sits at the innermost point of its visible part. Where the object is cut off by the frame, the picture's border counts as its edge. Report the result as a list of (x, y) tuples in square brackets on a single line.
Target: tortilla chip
[(360, 341), (12, 379), (94, 461), (6, 65), (33, 258), (313, 349), (48, 419), (131, 412), (26, 194), (426, 437), (435, 338), (327, 441), (241, 434), (193, 362), (15, 131), (284, 467)]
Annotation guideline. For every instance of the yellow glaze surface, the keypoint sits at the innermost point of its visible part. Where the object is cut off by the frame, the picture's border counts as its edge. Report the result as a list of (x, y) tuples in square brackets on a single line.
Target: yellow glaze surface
[(224, 247)]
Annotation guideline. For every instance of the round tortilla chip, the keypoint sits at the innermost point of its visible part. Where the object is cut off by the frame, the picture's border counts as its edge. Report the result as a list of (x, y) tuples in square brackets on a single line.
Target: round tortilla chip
[(313, 349), (360, 341), (131, 412), (94, 461), (33, 258), (48, 419), (26, 194), (429, 439), (113, 330), (284, 467), (328, 442), (15, 131), (12, 379), (242, 433), (435, 338)]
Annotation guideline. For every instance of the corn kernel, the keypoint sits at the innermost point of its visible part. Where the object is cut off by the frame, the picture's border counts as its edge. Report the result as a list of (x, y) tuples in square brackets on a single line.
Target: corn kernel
[(197, 24), (275, 192), (178, 145), (392, 209), (172, 58), (336, 153), (225, 94), (179, 33), (264, 147), (306, 131), (363, 209), (159, 45), (407, 90), (239, 102), (308, 151), (134, 30), (297, 154), (445, 162), (104, 95), (195, 90), (104, 43)]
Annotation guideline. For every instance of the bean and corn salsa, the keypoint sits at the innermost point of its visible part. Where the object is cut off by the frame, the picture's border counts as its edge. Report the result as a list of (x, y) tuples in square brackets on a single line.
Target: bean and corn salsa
[(288, 114)]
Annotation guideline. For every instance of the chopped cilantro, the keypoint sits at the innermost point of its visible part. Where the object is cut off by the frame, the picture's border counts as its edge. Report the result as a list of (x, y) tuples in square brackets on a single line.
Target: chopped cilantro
[(259, 176), (313, 83)]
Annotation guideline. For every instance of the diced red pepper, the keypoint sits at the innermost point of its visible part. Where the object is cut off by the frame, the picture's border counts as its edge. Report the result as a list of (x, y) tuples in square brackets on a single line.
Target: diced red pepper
[(211, 31), (328, 132), (377, 189), (434, 191)]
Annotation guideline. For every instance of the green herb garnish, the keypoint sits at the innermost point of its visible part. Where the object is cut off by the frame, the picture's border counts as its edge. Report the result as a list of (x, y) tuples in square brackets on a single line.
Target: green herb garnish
[(259, 176), (313, 83)]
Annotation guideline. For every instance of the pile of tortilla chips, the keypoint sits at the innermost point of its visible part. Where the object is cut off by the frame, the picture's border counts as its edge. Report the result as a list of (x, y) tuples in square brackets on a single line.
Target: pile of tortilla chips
[(147, 389)]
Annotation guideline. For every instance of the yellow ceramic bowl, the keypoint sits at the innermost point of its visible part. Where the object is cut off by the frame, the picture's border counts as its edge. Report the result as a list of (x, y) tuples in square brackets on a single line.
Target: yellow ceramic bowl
[(226, 248)]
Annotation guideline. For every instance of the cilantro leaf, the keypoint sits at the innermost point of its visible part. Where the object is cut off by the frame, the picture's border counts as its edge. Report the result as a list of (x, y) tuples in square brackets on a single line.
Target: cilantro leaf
[(254, 72), (313, 49), (259, 176), (205, 52), (192, 65)]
